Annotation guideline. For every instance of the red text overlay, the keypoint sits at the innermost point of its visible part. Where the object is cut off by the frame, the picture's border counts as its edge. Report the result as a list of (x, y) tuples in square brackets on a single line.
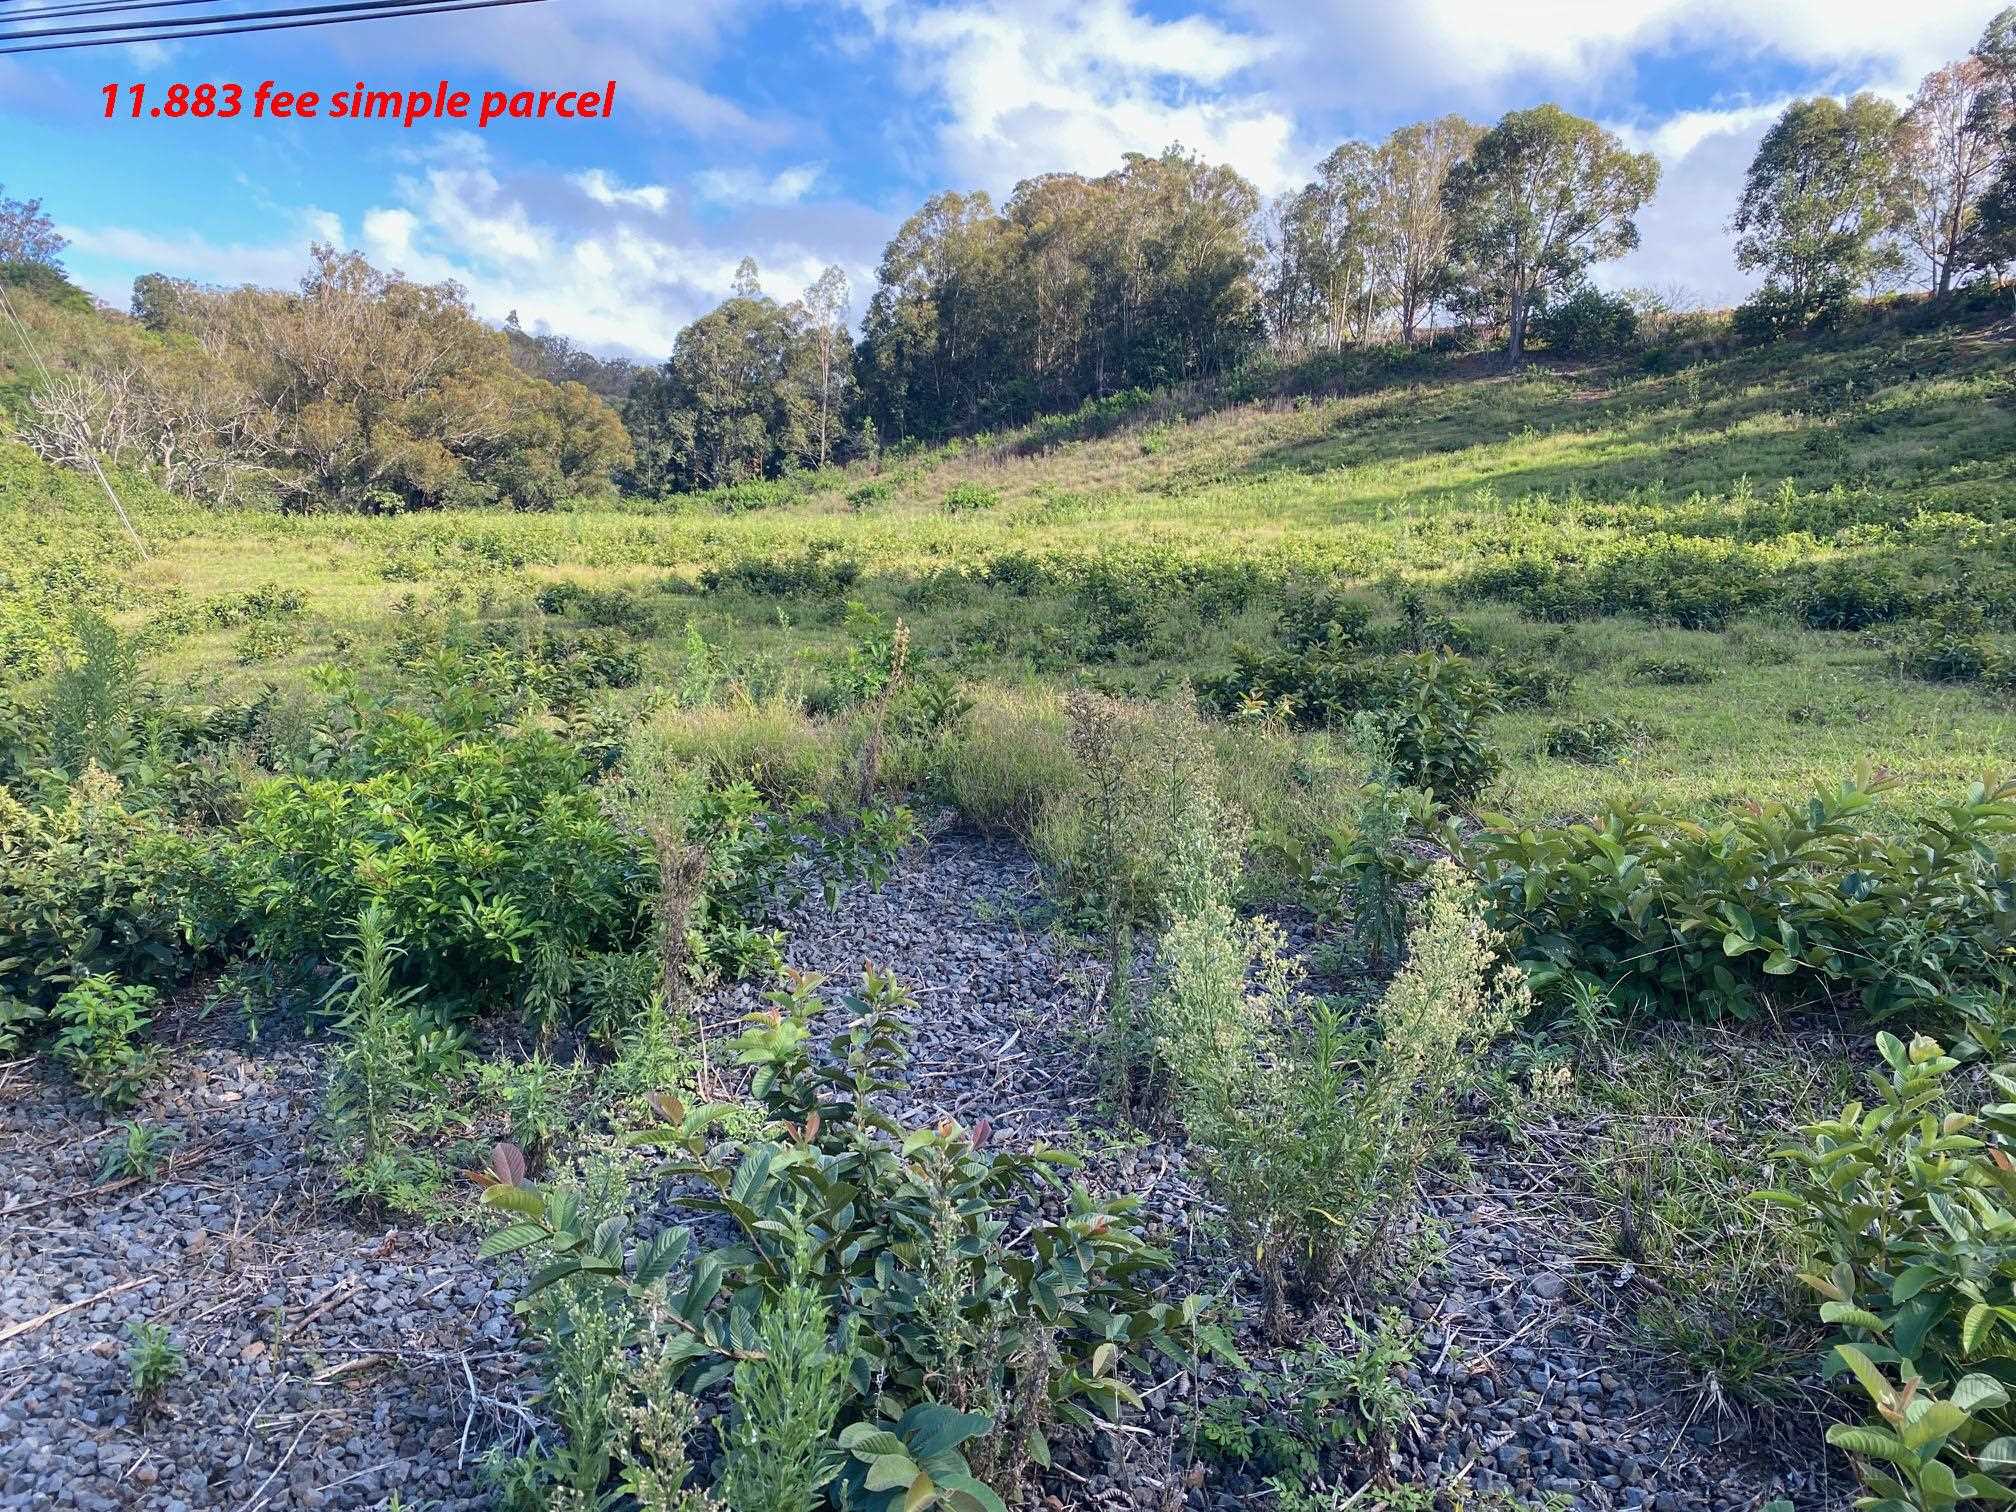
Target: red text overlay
[(267, 101)]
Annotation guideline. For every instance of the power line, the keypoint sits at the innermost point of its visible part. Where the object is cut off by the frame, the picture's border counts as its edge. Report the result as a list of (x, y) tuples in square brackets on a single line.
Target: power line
[(8, 18), (344, 8), (84, 441), (414, 8)]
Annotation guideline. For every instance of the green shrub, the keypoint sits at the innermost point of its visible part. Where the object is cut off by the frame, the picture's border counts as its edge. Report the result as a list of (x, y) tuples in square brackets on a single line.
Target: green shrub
[(778, 1452), (138, 1153), (1530, 682), (94, 698), (958, 1326), (1365, 867), (1596, 741), (1850, 595), (484, 848), (1287, 1417), (1588, 323), (1312, 1133), (1788, 903), (383, 1066), (816, 572), (1954, 647), (1432, 721), (966, 498), (153, 1360), (1138, 833), (1672, 671), (1908, 1207), (100, 1022), (88, 888), (1430, 707)]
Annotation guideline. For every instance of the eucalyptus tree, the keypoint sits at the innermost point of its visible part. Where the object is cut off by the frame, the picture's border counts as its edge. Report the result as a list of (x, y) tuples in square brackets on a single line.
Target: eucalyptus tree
[(1542, 196), (1820, 204), (1413, 224)]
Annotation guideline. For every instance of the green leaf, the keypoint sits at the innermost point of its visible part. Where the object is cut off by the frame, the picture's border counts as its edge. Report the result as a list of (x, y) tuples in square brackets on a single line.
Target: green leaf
[(886, 1472), (1848, 1312), (508, 1241), (1975, 1327), (867, 1441), (1999, 1454), (1977, 1392), (1912, 1280), (930, 1428), (1865, 1371), (1873, 1443), (1937, 1421), (970, 1493)]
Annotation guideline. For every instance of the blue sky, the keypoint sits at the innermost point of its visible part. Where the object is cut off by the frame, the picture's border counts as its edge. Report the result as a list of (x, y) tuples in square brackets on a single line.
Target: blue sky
[(802, 133)]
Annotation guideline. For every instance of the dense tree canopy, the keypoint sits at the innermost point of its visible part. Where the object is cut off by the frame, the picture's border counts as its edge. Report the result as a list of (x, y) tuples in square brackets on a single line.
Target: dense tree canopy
[(1076, 288), (26, 234), (361, 389), (752, 390), (1543, 195), (1819, 202), (1368, 239)]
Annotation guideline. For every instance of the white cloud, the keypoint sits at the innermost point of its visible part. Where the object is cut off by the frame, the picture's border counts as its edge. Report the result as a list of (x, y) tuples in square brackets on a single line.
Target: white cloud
[(658, 53), (1397, 54), (1032, 86), (604, 190), (106, 259), (746, 186), (1684, 244), (612, 283)]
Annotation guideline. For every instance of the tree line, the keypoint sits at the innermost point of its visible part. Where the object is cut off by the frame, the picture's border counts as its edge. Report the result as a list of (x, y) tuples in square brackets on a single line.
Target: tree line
[(366, 389)]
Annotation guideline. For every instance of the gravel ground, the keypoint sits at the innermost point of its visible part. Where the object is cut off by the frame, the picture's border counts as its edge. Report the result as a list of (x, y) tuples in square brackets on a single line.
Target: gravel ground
[(326, 1366), (330, 1366)]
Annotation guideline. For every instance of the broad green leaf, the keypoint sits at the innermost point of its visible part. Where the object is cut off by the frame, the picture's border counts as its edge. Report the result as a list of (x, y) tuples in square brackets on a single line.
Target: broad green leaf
[(1872, 1442), (508, 1241), (888, 1471), (1977, 1393)]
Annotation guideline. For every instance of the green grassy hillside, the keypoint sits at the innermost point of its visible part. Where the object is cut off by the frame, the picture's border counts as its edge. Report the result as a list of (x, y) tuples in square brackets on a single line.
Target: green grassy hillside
[(1667, 540)]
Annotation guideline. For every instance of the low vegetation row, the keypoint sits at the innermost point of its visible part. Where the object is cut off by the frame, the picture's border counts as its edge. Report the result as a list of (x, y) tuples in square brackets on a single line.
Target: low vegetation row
[(411, 854)]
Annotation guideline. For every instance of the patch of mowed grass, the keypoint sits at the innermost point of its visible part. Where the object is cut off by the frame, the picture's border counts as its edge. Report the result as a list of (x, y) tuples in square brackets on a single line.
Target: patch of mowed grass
[(1652, 1143)]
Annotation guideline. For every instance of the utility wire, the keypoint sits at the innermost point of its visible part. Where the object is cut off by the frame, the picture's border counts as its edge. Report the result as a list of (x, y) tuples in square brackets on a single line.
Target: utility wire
[(83, 441), (24, 44), (343, 8), (8, 18)]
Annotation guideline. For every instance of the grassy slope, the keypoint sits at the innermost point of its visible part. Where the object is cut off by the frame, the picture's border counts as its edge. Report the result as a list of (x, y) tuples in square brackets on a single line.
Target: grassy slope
[(1404, 480)]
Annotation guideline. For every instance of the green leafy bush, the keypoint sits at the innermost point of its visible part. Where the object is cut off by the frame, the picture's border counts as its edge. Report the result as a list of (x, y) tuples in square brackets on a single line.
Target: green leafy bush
[(153, 1360), (963, 1331), (138, 1153), (1672, 671), (88, 888), (1432, 719), (816, 572), (1909, 1210), (1289, 1415), (1786, 903), (1588, 323), (967, 498), (1851, 595), (1430, 707), (483, 847), (100, 1023), (1313, 1130), (1596, 741)]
